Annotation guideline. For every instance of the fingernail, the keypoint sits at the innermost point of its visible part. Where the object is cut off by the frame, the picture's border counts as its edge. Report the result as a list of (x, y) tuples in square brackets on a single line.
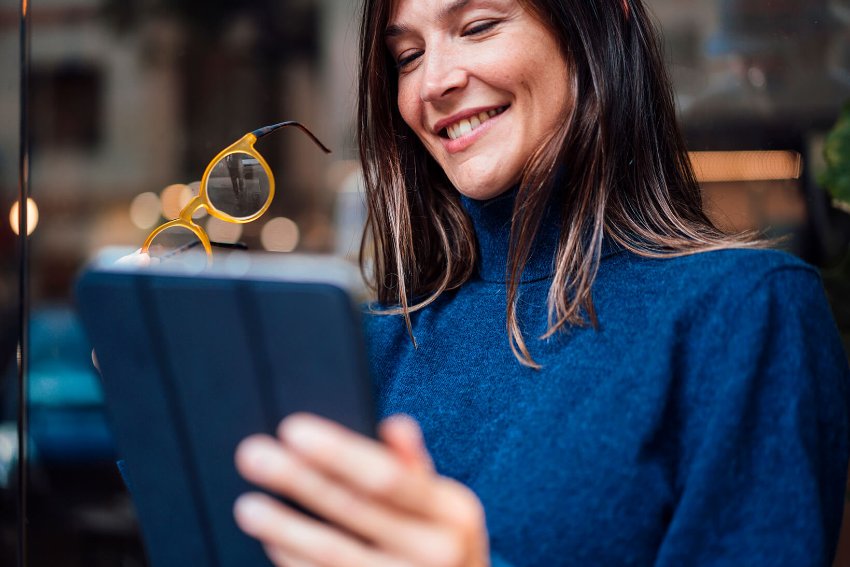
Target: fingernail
[(255, 456), (250, 511), (259, 459), (303, 433)]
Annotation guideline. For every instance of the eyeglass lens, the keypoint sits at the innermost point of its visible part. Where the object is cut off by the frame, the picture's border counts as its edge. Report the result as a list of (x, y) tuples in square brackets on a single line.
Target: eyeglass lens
[(172, 242), (238, 185)]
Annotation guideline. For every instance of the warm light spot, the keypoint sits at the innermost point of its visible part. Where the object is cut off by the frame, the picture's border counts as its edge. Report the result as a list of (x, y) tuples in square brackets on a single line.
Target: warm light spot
[(841, 205), (145, 210), (280, 235), (746, 166), (195, 187), (32, 217), (223, 231), (174, 198)]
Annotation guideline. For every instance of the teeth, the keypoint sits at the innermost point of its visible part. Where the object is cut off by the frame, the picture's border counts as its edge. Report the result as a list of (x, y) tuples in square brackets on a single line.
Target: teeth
[(464, 127)]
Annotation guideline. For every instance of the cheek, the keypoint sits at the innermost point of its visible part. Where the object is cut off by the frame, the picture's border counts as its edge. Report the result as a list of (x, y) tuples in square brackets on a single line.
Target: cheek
[(548, 95), (411, 110), (408, 107)]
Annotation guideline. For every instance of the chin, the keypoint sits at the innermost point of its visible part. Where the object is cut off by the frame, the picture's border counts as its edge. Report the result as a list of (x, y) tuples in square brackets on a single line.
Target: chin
[(482, 188), (482, 195)]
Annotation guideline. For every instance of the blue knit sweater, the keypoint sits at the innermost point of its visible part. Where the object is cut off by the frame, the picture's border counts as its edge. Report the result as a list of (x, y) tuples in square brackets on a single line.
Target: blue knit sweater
[(704, 422)]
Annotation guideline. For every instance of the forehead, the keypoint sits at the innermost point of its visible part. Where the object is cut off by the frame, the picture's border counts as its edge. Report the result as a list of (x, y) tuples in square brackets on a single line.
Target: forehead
[(402, 11)]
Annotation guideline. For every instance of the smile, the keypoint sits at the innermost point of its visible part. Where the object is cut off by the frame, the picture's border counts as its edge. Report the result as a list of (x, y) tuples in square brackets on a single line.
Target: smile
[(466, 125)]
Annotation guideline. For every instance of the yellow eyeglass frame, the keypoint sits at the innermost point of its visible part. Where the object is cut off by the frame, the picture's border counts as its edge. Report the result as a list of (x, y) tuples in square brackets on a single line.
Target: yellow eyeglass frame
[(244, 145)]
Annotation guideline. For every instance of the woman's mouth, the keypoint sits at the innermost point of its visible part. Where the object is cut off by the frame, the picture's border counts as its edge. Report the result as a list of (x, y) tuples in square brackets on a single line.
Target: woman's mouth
[(467, 125)]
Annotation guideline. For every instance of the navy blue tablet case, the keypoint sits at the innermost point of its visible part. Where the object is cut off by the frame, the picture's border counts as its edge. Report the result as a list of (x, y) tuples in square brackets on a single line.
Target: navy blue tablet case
[(191, 365)]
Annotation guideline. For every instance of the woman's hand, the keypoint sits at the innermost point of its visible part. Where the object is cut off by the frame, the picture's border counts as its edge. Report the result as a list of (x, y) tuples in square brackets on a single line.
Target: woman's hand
[(137, 258), (385, 503)]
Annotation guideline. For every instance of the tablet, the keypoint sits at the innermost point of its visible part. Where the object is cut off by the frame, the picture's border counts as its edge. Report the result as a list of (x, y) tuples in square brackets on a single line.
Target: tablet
[(194, 358)]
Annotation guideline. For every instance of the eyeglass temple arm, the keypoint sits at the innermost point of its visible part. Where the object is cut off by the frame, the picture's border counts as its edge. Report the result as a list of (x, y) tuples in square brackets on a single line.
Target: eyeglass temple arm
[(260, 132)]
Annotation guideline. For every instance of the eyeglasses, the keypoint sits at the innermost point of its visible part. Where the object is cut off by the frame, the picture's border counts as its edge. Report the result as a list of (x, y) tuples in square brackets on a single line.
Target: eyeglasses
[(237, 187)]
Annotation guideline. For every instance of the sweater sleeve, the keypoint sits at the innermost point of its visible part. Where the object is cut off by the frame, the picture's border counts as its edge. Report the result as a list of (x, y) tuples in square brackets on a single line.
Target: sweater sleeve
[(764, 429)]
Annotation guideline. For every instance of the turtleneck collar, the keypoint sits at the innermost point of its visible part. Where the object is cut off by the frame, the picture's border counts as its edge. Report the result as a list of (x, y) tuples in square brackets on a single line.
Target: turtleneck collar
[(491, 220)]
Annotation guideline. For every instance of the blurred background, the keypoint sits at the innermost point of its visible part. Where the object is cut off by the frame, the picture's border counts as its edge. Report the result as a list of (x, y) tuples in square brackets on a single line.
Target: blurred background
[(130, 99)]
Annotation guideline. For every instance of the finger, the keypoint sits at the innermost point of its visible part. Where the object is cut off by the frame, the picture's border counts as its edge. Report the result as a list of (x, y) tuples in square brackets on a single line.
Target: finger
[(402, 434), (264, 461), (280, 558), (295, 534), (369, 467), (137, 258), (364, 464)]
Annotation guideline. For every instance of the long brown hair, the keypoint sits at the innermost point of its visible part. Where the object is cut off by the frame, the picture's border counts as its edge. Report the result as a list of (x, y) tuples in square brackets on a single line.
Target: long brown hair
[(626, 176)]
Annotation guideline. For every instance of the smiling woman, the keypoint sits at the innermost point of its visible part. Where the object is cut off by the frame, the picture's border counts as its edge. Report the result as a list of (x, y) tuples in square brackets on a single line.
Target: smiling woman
[(684, 396), (580, 93), (472, 77)]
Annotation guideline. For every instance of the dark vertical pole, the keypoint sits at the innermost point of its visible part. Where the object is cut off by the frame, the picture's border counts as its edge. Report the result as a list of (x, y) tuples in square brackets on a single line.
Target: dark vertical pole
[(23, 284)]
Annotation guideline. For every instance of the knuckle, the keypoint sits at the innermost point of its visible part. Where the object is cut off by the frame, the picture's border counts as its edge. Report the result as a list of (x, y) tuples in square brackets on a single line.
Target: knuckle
[(449, 553), (387, 483), (467, 511), (471, 514), (346, 504)]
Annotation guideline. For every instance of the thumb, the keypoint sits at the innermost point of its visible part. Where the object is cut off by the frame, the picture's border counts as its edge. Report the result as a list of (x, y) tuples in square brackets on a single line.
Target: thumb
[(403, 436), (137, 258)]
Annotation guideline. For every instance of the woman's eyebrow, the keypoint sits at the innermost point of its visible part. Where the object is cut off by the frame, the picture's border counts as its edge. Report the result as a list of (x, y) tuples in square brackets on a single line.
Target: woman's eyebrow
[(446, 13), (395, 30)]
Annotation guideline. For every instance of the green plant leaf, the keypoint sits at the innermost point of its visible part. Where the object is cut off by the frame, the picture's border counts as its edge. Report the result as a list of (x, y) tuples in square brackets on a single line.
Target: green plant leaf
[(836, 152)]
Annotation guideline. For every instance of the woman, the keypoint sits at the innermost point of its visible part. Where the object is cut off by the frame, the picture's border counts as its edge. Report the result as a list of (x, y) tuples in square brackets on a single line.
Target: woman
[(601, 377)]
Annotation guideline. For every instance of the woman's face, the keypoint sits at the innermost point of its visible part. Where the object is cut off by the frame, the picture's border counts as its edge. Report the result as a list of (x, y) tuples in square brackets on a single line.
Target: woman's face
[(481, 83)]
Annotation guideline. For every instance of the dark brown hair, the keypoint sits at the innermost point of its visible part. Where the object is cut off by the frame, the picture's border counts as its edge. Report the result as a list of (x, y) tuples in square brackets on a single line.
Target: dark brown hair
[(627, 175)]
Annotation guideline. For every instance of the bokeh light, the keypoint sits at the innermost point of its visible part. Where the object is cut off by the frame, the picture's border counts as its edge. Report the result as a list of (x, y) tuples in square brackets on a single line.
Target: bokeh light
[(145, 210), (280, 234), (195, 188), (746, 166), (223, 231), (32, 217), (174, 198)]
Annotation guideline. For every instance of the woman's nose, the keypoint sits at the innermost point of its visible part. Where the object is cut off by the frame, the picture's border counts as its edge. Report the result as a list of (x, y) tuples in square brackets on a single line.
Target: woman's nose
[(443, 74)]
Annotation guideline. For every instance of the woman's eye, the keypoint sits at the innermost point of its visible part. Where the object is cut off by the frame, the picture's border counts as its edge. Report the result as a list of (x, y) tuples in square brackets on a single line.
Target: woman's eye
[(407, 59), (479, 27)]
